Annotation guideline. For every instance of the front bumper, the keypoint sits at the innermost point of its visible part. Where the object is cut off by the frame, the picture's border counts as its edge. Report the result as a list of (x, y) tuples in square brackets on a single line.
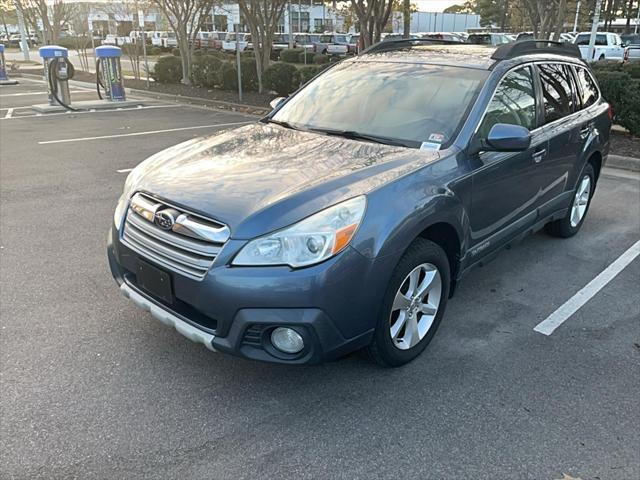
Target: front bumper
[(333, 305)]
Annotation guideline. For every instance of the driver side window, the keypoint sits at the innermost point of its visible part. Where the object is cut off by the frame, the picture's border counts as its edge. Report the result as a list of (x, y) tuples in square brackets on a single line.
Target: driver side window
[(514, 102)]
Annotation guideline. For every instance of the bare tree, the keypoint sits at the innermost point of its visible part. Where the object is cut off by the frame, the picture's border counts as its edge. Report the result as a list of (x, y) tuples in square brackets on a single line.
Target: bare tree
[(54, 15), (373, 16), (263, 17), (7, 14), (546, 16), (186, 18)]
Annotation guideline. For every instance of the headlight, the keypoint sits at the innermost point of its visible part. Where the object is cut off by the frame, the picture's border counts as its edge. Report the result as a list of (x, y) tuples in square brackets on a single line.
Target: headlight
[(309, 241), (123, 202)]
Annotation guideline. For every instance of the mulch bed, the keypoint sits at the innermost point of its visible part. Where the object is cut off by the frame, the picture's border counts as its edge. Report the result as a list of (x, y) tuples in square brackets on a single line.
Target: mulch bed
[(248, 98), (624, 144)]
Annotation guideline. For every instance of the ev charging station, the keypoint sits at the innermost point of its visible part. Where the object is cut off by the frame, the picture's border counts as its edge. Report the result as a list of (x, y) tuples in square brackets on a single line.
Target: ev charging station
[(58, 70), (4, 78), (109, 73)]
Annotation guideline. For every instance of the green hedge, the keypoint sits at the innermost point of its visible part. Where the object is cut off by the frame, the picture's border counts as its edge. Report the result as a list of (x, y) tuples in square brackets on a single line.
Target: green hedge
[(321, 59), (167, 69), (291, 55), (308, 72), (283, 78), (175, 52), (249, 74), (310, 57), (154, 51), (206, 71), (620, 86), (228, 76)]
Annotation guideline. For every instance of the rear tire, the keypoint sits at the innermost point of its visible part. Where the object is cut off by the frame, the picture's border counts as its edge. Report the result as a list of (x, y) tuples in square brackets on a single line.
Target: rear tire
[(413, 305), (572, 222)]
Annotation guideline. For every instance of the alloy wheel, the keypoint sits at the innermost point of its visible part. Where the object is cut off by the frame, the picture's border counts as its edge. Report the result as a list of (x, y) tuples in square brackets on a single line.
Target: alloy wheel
[(580, 201), (415, 306)]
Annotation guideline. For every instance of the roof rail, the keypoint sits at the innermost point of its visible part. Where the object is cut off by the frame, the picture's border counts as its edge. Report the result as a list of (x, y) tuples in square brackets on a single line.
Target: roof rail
[(528, 47), (389, 45)]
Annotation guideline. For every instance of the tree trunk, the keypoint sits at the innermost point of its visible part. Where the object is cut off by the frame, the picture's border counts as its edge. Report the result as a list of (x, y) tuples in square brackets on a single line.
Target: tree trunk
[(562, 12), (185, 57), (627, 28), (406, 18)]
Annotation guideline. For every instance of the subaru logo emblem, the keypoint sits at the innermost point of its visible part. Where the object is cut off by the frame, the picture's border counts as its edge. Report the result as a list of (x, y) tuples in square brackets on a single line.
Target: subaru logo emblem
[(165, 219)]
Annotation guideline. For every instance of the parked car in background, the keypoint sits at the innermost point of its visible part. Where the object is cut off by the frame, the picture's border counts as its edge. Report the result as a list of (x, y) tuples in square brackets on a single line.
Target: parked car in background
[(346, 217), (16, 38), (354, 43), (156, 37), (488, 39), (607, 46), (112, 39), (308, 41), (229, 43), (450, 37), (280, 42), (333, 44), (630, 39), (632, 53), (385, 37), (524, 36)]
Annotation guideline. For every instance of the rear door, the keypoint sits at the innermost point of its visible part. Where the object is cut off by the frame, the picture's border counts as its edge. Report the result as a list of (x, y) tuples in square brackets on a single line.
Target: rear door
[(562, 127), (506, 184)]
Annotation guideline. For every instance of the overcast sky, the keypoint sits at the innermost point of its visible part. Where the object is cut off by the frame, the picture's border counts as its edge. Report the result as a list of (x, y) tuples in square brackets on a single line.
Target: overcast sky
[(435, 5)]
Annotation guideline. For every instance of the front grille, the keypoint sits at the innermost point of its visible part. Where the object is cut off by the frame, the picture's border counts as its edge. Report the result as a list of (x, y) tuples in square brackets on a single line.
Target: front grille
[(188, 247)]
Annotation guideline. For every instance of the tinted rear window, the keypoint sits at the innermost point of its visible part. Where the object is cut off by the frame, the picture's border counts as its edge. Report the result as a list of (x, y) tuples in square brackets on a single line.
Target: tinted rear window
[(479, 39), (557, 95), (583, 39)]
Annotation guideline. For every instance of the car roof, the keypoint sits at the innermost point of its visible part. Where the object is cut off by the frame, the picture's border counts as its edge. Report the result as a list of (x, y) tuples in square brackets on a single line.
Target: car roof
[(460, 55), (481, 57)]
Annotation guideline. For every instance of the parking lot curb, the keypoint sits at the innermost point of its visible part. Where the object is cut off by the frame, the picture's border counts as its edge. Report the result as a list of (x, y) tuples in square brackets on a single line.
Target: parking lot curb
[(624, 163)]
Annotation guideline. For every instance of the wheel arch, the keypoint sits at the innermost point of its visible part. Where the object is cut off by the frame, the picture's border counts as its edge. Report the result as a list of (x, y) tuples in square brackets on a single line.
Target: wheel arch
[(446, 236), (596, 161)]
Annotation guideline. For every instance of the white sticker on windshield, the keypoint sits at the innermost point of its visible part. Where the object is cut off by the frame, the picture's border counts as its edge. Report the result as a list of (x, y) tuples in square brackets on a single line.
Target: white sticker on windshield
[(430, 146)]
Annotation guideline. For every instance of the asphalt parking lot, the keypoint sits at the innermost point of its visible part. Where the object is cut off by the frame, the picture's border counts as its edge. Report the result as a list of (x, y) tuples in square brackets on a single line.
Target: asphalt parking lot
[(94, 388)]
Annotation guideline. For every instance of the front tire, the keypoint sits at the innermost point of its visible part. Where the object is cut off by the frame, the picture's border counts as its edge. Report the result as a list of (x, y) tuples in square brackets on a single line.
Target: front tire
[(572, 222), (413, 305)]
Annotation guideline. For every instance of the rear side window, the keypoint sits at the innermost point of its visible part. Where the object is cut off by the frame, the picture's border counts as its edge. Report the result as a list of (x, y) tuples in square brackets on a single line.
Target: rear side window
[(557, 96), (588, 87), (583, 39), (514, 102)]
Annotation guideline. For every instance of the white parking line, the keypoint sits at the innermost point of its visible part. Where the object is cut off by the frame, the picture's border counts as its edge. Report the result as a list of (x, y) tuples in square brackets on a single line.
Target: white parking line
[(124, 170), (9, 113), (571, 306), (136, 134)]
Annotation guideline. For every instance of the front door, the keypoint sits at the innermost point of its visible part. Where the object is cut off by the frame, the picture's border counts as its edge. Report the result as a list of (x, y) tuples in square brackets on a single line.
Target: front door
[(506, 184)]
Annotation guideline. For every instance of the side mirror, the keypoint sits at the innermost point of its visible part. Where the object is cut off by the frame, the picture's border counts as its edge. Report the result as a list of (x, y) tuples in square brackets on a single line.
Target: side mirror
[(275, 103), (507, 138)]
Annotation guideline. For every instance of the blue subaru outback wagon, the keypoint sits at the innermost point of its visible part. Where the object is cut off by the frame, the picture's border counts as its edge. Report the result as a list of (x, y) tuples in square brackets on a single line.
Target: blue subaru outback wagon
[(344, 219)]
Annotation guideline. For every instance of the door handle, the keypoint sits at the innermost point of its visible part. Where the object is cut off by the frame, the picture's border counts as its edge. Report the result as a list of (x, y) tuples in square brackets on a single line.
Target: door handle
[(585, 131), (539, 155)]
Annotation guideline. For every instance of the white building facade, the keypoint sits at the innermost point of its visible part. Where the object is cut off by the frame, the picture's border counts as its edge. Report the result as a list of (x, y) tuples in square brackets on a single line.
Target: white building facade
[(313, 17)]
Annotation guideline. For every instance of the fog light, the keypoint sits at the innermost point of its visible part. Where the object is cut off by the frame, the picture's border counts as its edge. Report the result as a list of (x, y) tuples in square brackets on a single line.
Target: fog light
[(287, 340)]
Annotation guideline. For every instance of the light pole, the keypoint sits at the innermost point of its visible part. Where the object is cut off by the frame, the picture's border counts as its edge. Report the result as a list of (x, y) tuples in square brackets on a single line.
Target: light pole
[(594, 30), (23, 33), (575, 24)]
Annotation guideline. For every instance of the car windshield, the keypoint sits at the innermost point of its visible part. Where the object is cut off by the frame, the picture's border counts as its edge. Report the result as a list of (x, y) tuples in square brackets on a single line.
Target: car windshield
[(326, 38), (583, 39), (411, 103)]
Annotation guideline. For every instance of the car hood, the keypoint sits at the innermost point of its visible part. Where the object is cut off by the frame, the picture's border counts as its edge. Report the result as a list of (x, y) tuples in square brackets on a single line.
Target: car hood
[(262, 177)]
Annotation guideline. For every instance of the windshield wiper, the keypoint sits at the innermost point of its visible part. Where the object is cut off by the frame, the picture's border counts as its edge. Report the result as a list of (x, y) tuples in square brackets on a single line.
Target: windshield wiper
[(353, 135), (282, 123)]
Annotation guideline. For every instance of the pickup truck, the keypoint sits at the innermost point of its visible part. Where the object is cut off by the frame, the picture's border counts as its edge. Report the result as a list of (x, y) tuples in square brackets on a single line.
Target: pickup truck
[(608, 46)]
